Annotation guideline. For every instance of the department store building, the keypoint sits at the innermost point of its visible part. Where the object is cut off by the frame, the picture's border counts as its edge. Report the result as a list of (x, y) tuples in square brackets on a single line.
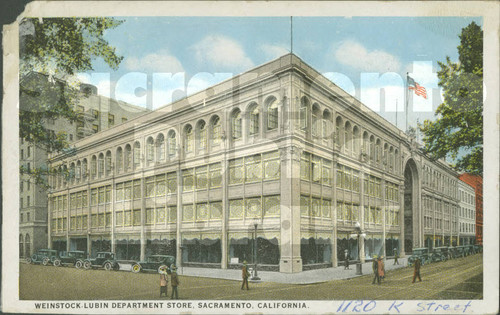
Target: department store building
[(276, 164)]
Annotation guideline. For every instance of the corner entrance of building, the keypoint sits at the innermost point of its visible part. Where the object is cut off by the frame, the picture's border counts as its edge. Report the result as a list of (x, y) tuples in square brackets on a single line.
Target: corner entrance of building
[(410, 205)]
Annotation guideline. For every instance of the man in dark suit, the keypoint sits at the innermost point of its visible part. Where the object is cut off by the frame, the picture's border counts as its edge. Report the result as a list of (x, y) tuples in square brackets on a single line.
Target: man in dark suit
[(416, 271)]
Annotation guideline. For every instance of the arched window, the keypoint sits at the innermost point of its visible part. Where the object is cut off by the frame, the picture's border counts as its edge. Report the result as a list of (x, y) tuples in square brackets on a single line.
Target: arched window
[(137, 155), (236, 124), (338, 132), (172, 144), (108, 163), (254, 121), (372, 148), (386, 155), (327, 122), (72, 172), (78, 171), (377, 151), (216, 130), (304, 113), (93, 167), (355, 140), (391, 158), (21, 245), (188, 138), (119, 160), (366, 144), (150, 151), (65, 175), (27, 245), (396, 161), (128, 157), (160, 148), (272, 113), (316, 123), (202, 135), (347, 135), (101, 165), (84, 169)]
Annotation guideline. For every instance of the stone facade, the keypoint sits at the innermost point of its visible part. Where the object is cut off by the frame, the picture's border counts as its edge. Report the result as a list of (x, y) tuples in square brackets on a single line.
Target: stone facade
[(466, 214), (97, 113), (476, 182), (275, 165)]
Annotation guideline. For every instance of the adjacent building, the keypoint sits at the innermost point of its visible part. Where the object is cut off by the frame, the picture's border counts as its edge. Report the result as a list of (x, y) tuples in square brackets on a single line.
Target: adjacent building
[(476, 182), (466, 214), (96, 112), (276, 165)]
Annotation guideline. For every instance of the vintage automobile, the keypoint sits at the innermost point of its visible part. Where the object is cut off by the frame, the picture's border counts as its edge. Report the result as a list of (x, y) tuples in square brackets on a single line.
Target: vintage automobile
[(471, 249), (104, 260), (153, 262), (74, 258), (453, 252), (44, 257), (439, 254), (422, 254), (478, 248)]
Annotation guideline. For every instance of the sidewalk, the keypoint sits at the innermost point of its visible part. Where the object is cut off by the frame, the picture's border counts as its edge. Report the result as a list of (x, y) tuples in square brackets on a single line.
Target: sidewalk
[(304, 277)]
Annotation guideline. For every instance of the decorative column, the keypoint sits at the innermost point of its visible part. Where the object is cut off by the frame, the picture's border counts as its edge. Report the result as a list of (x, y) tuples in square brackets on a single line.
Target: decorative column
[(362, 211), (334, 211), (178, 236), (384, 217), (225, 207), (143, 211), (89, 202), (290, 260), (113, 200), (402, 219), (68, 217)]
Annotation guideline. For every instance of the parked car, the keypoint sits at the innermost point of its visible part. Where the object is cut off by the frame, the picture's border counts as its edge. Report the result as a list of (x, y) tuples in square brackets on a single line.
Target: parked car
[(478, 248), (153, 262), (74, 258), (453, 252), (104, 260), (44, 257), (439, 254), (422, 254)]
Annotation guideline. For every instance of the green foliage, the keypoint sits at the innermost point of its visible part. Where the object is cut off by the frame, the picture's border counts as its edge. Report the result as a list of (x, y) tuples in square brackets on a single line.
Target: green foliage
[(50, 48), (458, 130)]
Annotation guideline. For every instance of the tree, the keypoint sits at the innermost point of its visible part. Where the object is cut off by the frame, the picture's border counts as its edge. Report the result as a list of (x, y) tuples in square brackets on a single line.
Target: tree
[(51, 51), (458, 130)]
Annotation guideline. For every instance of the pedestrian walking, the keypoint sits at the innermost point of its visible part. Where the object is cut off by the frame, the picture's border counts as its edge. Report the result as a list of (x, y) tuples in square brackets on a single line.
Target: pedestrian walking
[(381, 268), (396, 256), (174, 280), (375, 270), (416, 271), (346, 259), (244, 274), (163, 280)]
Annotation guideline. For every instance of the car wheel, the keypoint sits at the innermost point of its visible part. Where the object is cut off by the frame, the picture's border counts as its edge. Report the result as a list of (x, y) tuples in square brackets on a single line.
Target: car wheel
[(57, 263), (79, 264), (108, 266), (87, 264), (45, 261), (28, 260), (136, 268)]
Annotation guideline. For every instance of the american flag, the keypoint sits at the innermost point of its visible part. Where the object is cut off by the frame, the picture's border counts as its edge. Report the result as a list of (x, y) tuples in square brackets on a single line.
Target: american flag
[(419, 90)]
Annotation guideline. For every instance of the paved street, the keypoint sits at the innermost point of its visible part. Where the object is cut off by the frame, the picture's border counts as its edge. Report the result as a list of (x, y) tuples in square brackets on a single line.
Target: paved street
[(455, 279)]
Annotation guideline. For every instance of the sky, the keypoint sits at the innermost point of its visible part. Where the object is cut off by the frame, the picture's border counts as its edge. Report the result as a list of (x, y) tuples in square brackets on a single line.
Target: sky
[(167, 58)]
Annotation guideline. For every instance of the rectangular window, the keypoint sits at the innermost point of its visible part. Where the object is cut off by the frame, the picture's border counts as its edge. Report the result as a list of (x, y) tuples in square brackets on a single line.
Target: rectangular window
[(119, 192), (108, 194), (127, 218), (216, 210), (316, 169), (187, 212), (172, 183), (271, 165), (101, 193), (127, 187), (137, 217), (101, 219), (236, 208), (160, 215), (93, 220), (187, 180), (108, 219), (305, 167), (201, 177), (215, 175), (150, 216), (340, 210), (160, 185), (305, 204), (236, 171), (111, 119), (253, 165), (201, 211), (119, 218), (150, 187), (172, 214), (137, 189), (93, 197)]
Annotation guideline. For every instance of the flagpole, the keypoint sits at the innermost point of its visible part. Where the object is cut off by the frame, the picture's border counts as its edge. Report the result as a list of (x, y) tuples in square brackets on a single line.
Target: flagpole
[(406, 100)]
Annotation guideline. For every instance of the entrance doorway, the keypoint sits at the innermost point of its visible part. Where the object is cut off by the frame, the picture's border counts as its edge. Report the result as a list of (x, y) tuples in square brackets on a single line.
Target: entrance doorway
[(410, 206)]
